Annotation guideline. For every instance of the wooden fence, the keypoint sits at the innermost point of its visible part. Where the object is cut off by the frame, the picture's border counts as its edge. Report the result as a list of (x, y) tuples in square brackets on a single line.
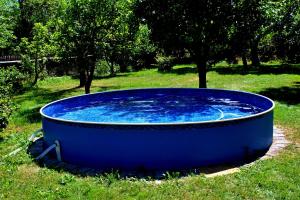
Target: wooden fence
[(10, 58)]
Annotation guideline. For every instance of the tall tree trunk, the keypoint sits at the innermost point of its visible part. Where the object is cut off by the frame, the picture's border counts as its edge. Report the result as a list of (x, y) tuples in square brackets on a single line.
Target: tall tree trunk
[(254, 53), (123, 68), (82, 78), (90, 75), (81, 68), (112, 71), (24, 28), (36, 72), (201, 67), (122, 63), (201, 61), (244, 59)]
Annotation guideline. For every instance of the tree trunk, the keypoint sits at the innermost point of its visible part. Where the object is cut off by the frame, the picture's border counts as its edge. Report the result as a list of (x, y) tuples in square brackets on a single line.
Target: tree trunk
[(112, 71), (88, 83), (24, 28), (36, 72), (123, 68), (81, 68), (82, 78), (244, 58), (201, 67), (90, 76), (254, 54), (122, 64)]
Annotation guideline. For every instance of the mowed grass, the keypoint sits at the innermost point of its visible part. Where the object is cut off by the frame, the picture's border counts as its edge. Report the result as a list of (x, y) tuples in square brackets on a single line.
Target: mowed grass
[(277, 178)]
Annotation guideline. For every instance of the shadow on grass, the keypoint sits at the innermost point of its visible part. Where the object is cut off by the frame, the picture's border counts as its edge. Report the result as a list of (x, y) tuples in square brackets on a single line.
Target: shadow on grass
[(43, 96), (263, 69), (40, 96), (287, 95), (99, 77), (106, 88), (32, 115), (112, 76), (50, 162), (180, 71), (241, 70)]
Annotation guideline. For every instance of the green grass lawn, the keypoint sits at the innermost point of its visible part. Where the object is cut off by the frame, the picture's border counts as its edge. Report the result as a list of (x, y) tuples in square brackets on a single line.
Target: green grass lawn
[(277, 178)]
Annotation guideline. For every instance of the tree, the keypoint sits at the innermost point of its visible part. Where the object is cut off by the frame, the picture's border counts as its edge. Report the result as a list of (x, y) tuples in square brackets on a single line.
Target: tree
[(127, 41), (199, 26), (143, 50), (37, 50), (118, 42), (10, 83), (265, 24), (292, 32), (285, 35), (247, 29), (86, 23), (7, 22), (36, 11)]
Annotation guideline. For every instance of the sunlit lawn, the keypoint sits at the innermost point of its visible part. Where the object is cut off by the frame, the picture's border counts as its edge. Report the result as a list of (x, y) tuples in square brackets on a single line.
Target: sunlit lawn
[(277, 178)]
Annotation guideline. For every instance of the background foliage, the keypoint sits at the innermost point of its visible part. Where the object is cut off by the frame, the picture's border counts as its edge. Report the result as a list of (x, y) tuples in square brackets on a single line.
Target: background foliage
[(84, 37)]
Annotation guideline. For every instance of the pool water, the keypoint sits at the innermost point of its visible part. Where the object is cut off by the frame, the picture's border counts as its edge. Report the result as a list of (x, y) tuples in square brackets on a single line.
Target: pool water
[(159, 108)]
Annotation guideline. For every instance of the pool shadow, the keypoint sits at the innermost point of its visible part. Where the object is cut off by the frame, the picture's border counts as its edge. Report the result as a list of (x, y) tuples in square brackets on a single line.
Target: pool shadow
[(286, 95), (50, 162)]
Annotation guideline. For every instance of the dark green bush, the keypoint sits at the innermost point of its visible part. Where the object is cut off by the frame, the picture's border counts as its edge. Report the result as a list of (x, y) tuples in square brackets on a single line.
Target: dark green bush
[(6, 108), (164, 63), (11, 82)]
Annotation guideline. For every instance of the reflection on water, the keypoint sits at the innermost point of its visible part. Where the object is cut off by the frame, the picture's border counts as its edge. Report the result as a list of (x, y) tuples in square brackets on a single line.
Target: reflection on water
[(159, 109)]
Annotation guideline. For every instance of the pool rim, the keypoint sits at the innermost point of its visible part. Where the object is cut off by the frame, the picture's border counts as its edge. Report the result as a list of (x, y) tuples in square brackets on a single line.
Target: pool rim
[(156, 124)]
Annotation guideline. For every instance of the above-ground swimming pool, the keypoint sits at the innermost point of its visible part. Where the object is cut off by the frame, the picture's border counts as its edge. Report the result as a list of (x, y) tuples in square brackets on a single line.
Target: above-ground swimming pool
[(159, 129)]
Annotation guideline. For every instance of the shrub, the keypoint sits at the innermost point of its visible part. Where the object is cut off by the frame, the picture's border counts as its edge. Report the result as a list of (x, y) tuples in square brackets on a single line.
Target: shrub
[(11, 81), (6, 108), (103, 69), (165, 63)]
